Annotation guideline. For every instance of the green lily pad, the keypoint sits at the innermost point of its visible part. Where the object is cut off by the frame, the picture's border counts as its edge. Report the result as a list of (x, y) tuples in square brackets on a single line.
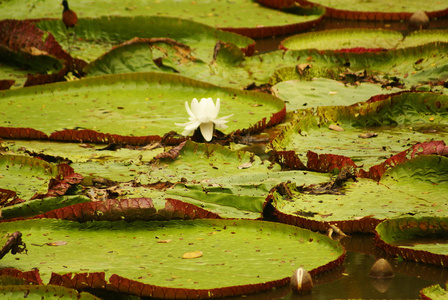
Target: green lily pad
[(202, 162), (245, 193), (39, 206), (129, 210), (434, 292), (35, 185), (378, 10), (160, 199), (150, 254), (214, 175), (26, 176), (43, 292), (31, 56), (145, 55), (422, 239), (143, 104), (299, 94), (166, 55), (419, 37), (120, 165), (344, 39), (239, 15), (360, 205), (96, 36), (407, 66), (371, 132), (362, 39)]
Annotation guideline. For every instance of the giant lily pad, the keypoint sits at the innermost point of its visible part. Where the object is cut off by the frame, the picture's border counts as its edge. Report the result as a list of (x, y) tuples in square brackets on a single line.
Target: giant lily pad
[(167, 55), (299, 94), (410, 188), (26, 47), (27, 176), (244, 16), (426, 36), (209, 176), (121, 165), (212, 175), (420, 239), (344, 39), (378, 10), (43, 292), (133, 209), (98, 35), (371, 131), (157, 54), (143, 104), (362, 39), (39, 206), (153, 257), (33, 178), (434, 292), (406, 66)]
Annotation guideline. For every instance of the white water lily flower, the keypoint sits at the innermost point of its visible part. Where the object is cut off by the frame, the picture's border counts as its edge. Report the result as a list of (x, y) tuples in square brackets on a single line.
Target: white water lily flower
[(204, 114)]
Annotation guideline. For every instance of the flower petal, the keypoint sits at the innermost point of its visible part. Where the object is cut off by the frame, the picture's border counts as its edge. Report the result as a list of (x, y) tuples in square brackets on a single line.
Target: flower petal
[(187, 132), (217, 108), (192, 125), (195, 108), (204, 114), (222, 126), (207, 130), (207, 109), (221, 121), (190, 113)]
